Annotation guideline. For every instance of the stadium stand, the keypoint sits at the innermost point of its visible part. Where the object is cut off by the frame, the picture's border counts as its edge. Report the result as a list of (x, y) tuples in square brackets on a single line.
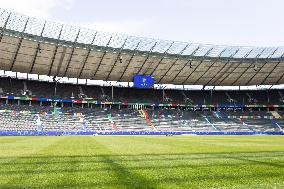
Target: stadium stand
[(34, 107), (18, 115)]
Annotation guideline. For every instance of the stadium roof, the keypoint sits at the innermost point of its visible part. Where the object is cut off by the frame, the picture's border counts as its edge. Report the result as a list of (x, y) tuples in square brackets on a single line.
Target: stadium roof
[(31, 45)]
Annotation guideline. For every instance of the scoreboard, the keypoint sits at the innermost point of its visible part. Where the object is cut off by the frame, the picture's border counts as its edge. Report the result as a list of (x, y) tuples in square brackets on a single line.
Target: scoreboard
[(143, 82)]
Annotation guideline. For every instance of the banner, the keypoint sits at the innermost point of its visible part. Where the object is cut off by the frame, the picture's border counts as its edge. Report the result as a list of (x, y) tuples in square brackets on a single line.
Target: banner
[(195, 106)]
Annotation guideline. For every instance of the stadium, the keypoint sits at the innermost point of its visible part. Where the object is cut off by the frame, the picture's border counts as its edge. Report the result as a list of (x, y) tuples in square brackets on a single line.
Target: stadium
[(81, 108)]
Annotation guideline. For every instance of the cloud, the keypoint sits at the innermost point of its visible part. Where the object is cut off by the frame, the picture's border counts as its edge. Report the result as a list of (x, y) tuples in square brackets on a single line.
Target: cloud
[(36, 8)]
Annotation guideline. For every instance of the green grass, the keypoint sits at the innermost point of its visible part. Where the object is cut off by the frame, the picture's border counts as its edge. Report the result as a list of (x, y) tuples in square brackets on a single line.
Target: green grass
[(142, 162)]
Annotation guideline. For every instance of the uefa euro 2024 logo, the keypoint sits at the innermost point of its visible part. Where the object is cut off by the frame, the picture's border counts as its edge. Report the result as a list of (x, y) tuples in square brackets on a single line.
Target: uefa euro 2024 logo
[(144, 82)]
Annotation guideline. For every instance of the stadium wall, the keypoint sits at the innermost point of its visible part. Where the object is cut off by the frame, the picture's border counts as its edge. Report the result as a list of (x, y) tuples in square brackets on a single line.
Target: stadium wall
[(82, 133)]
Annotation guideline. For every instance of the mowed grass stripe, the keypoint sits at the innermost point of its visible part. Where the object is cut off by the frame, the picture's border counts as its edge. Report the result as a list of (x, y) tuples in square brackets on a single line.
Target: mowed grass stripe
[(142, 162), (17, 169)]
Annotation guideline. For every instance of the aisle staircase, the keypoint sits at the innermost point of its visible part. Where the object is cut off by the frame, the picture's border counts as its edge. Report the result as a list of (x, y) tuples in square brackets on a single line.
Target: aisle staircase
[(276, 115), (144, 114), (114, 127)]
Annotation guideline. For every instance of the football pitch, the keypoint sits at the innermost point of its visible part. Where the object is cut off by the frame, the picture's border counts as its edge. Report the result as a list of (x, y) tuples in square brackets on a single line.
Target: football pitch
[(142, 162)]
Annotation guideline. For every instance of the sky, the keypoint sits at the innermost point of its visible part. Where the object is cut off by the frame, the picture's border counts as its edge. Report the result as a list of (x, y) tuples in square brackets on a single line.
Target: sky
[(220, 22)]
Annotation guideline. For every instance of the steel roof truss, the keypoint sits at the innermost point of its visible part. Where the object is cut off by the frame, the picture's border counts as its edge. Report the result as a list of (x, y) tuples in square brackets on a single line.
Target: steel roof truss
[(116, 60), (101, 60), (245, 69), (190, 61), (164, 54), (192, 72), (197, 66), (277, 83), (258, 68), (177, 59), (222, 69), (19, 46), (4, 27), (37, 50), (273, 68), (60, 61), (55, 51), (282, 77), (130, 60), (72, 53), (148, 56), (209, 66), (87, 56)]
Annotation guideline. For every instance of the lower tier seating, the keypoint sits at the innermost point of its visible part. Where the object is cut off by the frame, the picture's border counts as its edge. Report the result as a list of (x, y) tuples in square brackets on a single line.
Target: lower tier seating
[(100, 119)]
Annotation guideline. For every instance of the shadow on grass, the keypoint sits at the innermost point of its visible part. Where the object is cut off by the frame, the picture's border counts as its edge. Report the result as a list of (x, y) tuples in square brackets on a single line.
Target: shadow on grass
[(146, 158)]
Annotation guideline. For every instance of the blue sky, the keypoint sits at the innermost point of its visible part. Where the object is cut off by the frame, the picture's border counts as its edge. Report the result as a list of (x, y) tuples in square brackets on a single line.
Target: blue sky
[(224, 22)]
